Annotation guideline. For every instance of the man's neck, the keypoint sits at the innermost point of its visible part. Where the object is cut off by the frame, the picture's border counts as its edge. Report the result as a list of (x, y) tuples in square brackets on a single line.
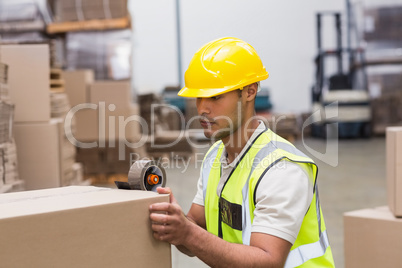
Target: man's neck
[(235, 143)]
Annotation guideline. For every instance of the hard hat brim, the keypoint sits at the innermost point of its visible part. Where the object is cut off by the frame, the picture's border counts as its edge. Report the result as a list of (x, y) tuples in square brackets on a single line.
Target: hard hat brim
[(188, 92)]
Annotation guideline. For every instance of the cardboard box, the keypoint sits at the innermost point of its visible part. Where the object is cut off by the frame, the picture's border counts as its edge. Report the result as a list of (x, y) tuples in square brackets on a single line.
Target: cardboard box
[(28, 80), (394, 169), (102, 124), (115, 93), (373, 238), (38, 153), (44, 154), (77, 85), (80, 226)]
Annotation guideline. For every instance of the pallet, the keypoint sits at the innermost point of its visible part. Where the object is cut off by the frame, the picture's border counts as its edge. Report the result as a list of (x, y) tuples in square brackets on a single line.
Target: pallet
[(88, 25), (56, 81)]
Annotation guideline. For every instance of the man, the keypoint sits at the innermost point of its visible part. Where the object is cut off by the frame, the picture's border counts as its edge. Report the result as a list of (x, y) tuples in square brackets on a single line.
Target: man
[(257, 202)]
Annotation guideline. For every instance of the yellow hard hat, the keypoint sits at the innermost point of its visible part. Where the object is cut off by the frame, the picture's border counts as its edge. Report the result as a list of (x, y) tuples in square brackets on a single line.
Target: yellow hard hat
[(221, 66)]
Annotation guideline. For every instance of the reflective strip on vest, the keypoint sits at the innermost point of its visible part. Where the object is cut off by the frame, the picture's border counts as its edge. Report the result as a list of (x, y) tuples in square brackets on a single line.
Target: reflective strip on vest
[(246, 233), (206, 168), (301, 254)]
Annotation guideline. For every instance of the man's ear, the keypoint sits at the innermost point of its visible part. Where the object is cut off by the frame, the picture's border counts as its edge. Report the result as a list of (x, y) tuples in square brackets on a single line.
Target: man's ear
[(251, 91)]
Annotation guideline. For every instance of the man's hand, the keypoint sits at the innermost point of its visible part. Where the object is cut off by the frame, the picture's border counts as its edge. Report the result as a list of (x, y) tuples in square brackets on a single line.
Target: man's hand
[(168, 221)]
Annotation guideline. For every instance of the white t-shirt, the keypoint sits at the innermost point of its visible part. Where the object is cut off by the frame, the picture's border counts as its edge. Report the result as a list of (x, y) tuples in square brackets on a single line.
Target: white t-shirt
[(282, 197)]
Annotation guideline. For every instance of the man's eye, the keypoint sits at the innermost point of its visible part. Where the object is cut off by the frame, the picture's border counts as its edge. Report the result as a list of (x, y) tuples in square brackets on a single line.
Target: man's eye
[(216, 97)]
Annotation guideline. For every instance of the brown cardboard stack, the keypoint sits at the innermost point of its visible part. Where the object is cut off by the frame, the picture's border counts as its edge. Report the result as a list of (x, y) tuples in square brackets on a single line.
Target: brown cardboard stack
[(383, 38), (6, 121), (383, 23), (107, 131), (45, 157), (386, 111), (9, 179), (373, 236), (66, 10), (386, 105), (108, 159), (59, 105), (163, 140), (150, 112), (80, 226), (9, 168), (110, 115), (4, 94), (77, 83), (159, 115)]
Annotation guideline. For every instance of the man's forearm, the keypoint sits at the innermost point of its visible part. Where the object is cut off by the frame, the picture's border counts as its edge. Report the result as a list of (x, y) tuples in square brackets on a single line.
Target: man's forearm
[(185, 250), (217, 252)]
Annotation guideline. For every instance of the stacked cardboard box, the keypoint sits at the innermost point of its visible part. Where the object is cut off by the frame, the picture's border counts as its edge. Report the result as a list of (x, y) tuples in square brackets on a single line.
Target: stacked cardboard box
[(66, 10), (109, 159), (109, 113), (159, 115), (383, 38), (80, 226), (166, 138), (77, 83), (150, 111), (386, 111), (386, 105), (373, 236), (56, 44), (383, 23), (385, 83), (107, 132), (45, 157), (9, 179), (4, 95)]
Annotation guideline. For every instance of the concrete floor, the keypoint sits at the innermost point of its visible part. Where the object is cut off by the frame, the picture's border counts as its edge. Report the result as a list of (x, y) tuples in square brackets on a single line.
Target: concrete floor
[(357, 181)]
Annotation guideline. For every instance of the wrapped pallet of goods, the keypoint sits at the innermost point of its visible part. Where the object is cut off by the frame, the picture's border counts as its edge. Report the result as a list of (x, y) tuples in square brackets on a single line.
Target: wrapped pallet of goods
[(108, 53), (23, 16)]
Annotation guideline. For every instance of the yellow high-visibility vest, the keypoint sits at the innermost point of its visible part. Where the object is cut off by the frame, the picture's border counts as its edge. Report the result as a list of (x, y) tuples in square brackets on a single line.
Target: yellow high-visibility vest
[(230, 215)]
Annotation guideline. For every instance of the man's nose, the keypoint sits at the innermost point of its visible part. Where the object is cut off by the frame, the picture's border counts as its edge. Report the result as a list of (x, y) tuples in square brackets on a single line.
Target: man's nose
[(202, 106)]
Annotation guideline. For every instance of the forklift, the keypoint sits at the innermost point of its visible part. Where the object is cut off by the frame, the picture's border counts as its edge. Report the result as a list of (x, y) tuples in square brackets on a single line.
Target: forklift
[(338, 93)]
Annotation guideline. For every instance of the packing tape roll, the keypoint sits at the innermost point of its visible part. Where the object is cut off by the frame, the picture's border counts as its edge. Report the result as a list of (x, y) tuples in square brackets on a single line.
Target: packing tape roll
[(141, 176)]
